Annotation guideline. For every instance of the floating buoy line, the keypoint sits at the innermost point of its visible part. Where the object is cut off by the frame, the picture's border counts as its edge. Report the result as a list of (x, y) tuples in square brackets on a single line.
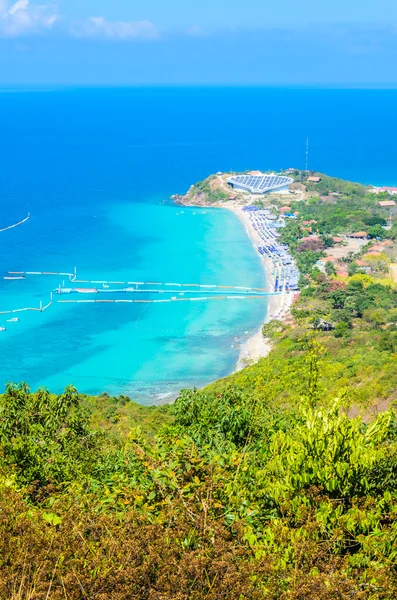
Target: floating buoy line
[(196, 292), (16, 224)]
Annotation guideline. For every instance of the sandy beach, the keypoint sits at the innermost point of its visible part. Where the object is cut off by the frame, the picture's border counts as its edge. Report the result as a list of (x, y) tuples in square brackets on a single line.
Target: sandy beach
[(257, 346)]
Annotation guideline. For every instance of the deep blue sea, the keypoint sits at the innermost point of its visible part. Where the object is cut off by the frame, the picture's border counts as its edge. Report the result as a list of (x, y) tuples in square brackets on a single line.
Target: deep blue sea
[(96, 168)]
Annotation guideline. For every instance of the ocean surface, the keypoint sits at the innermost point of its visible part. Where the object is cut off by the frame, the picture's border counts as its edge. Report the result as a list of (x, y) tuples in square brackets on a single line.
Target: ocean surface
[(96, 168)]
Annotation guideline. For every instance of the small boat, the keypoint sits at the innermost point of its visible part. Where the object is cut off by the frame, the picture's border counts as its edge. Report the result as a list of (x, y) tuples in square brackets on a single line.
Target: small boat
[(13, 278), (14, 320), (3, 329)]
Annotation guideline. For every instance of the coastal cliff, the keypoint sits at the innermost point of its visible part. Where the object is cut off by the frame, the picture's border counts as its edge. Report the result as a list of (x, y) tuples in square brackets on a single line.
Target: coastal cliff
[(212, 191)]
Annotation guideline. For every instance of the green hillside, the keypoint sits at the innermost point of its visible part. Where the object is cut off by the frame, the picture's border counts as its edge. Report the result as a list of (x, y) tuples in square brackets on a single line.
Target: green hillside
[(278, 482), (236, 498)]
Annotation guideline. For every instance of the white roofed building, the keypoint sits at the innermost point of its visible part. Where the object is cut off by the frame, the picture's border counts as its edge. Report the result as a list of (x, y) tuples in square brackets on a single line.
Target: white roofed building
[(259, 183)]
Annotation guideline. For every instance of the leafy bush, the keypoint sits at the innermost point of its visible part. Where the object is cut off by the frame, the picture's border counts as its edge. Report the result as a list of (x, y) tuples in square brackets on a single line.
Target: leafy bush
[(45, 438), (236, 499)]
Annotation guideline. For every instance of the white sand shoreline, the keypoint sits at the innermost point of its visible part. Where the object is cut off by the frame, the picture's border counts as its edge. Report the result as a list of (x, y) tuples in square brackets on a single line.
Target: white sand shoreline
[(257, 346)]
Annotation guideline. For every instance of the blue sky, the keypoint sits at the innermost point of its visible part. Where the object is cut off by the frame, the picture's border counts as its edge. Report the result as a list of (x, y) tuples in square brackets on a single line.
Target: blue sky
[(343, 42)]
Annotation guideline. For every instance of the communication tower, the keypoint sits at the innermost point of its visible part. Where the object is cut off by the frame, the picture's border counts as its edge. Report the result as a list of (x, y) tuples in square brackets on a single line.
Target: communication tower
[(307, 154)]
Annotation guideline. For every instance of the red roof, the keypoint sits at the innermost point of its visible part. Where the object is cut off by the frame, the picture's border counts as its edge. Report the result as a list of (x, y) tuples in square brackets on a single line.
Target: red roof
[(388, 189), (369, 254), (385, 203), (315, 238), (359, 234)]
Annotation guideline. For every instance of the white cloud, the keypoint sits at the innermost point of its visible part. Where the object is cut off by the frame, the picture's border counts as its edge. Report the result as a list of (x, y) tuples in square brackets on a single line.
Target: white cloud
[(20, 5), (21, 17), (118, 30)]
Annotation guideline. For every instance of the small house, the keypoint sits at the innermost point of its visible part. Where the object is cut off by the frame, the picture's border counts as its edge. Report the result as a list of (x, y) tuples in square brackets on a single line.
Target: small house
[(387, 203)]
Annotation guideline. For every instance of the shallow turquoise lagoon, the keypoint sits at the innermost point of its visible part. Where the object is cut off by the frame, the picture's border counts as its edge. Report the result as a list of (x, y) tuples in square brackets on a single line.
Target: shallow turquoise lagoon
[(148, 351)]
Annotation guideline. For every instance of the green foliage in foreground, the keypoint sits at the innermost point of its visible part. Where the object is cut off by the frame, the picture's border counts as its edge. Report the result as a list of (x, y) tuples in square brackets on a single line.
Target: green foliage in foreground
[(235, 498), (116, 415)]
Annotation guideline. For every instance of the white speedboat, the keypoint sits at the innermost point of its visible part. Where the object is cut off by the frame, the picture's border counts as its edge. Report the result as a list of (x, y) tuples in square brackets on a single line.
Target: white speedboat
[(14, 320)]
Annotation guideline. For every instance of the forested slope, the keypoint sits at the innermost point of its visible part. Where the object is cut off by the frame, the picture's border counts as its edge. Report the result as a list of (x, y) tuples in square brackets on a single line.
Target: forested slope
[(239, 497)]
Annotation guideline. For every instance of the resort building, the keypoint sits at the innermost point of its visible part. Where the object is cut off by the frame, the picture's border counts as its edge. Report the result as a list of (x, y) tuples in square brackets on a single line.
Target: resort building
[(388, 190), (260, 183), (314, 179)]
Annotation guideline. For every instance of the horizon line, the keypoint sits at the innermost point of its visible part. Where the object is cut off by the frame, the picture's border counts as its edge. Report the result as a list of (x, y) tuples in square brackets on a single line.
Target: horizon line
[(312, 86)]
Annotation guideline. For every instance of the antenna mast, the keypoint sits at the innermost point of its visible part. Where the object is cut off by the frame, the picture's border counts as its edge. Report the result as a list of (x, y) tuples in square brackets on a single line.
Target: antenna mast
[(307, 154)]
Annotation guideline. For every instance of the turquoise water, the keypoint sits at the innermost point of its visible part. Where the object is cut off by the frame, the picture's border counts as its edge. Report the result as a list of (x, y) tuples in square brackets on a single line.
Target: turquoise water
[(96, 167), (147, 351)]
